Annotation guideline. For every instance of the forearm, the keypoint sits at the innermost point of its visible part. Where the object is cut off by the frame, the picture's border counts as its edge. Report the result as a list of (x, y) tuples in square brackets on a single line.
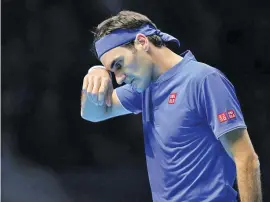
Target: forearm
[(248, 180), (89, 110)]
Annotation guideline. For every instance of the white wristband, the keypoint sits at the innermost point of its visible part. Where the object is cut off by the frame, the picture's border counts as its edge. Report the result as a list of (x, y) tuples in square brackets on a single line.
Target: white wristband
[(97, 67)]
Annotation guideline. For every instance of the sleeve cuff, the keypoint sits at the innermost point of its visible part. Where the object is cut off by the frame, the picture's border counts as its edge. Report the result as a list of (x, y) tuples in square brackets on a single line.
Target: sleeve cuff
[(231, 128), (123, 105)]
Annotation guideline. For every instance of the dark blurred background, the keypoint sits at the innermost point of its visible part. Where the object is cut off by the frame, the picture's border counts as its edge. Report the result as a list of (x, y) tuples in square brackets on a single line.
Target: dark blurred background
[(50, 154)]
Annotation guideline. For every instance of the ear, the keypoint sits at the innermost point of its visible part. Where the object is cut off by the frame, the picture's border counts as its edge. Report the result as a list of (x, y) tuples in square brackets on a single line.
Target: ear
[(142, 42)]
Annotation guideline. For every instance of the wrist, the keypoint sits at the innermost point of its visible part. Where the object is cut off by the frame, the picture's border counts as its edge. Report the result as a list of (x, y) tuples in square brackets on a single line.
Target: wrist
[(99, 67), (96, 67)]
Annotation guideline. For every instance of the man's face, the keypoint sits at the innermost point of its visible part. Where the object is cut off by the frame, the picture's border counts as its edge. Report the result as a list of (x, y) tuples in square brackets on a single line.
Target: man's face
[(131, 66)]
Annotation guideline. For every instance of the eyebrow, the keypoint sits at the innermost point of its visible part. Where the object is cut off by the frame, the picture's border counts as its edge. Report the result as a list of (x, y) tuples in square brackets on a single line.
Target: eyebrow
[(113, 62)]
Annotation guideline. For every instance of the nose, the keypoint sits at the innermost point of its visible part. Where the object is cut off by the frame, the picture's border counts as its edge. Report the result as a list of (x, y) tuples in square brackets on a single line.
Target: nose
[(120, 78)]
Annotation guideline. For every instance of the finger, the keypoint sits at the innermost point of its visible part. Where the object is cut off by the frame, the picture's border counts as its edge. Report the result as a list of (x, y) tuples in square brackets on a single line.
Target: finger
[(90, 87), (90, 84), (102, 91), (97, 82), (83, 97), (85, 83), (109, 96)]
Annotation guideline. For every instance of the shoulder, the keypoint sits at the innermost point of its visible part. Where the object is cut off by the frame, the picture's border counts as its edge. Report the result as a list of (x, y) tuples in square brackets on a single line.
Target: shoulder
[(199, 71)]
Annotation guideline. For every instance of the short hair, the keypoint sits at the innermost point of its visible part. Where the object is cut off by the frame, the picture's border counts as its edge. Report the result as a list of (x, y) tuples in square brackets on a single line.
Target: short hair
[(126, 20)]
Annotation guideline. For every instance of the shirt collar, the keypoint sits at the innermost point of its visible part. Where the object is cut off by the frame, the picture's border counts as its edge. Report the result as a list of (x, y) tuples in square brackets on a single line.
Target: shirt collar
[(187, 56)]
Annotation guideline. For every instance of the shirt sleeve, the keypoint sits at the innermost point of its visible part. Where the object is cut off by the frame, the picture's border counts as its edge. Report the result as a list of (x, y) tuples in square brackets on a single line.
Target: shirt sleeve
[(129, 98), (219, 105)]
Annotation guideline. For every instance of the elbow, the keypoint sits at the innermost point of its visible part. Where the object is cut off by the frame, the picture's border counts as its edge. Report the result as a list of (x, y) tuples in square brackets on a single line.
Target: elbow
[(256, 161), (251, 160)]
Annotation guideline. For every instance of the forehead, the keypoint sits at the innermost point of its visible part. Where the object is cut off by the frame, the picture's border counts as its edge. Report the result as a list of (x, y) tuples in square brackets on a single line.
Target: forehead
[(107, 58)]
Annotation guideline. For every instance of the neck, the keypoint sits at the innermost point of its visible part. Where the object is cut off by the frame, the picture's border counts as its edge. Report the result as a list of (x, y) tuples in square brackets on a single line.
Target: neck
[(164, 59)]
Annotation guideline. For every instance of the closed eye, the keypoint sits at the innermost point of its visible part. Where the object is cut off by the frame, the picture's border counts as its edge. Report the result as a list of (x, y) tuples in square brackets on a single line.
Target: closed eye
[(117, 66)]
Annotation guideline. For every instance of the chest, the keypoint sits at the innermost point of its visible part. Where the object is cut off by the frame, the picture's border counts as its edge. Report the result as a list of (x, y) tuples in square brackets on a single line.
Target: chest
[(171, 118)]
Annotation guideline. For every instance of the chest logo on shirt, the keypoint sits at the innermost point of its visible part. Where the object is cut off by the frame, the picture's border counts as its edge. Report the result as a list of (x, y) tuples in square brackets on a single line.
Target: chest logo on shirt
[(225, 116), (172, 98)]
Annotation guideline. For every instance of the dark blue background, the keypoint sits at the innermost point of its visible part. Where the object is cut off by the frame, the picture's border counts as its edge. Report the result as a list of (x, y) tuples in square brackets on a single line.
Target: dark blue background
[(49, 153)]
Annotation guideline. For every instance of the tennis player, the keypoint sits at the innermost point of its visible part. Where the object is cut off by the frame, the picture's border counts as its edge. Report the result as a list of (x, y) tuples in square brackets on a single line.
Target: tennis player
[(196, 140)]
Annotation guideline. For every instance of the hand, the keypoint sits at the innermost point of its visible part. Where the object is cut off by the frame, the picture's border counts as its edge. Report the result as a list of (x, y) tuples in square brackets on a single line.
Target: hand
[(98, 85)]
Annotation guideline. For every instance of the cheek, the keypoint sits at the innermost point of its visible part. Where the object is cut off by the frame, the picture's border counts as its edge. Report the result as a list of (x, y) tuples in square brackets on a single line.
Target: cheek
[(133, 68), (131, 64), (138, 66)]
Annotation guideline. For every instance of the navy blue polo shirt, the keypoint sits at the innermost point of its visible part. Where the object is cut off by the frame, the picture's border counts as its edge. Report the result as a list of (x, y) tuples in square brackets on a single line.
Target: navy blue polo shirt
[(185, 112)]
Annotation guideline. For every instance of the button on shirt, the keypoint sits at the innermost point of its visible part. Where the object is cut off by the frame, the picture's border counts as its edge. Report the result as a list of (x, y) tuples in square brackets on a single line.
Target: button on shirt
[(185, 112)]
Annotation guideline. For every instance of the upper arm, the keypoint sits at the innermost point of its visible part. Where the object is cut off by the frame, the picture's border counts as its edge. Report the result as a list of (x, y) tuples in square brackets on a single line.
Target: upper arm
[(238, 145), (221, 109), (219, 105)]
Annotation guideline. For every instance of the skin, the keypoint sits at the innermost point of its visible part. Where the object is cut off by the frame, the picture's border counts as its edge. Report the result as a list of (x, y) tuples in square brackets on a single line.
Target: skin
[(239, 147), (141, 65)]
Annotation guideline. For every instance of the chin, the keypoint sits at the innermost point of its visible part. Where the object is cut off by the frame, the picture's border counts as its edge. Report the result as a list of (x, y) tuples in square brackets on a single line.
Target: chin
[(140, 89), (140, 86), (137, 88)]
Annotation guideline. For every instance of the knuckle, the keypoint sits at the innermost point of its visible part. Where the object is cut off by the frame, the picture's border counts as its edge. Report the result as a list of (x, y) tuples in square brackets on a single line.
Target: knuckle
[(105, 83), (96, 78), (106, 79), (101, 92), (90, 93), (85, 79), (90, 78), (101, 89)]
